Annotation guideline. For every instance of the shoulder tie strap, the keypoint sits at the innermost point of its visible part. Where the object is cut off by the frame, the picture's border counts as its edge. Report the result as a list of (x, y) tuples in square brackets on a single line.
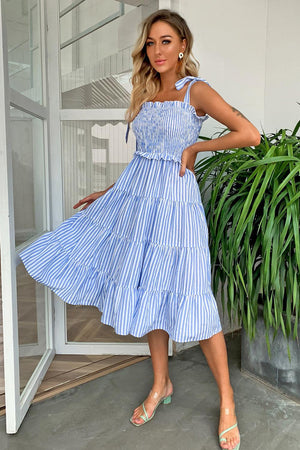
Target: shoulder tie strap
[(180, 83)]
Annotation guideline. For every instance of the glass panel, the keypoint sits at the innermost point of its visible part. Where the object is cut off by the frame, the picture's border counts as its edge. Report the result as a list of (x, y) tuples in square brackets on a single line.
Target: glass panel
[(2, 390), (31, 323), (65, 3), (24, 49), (94, 155), (85, 15), (95, 69), (27, 145), (84, 326)]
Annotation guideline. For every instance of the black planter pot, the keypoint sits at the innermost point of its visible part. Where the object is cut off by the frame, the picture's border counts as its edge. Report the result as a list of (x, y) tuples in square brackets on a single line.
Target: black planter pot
[(278, 371)]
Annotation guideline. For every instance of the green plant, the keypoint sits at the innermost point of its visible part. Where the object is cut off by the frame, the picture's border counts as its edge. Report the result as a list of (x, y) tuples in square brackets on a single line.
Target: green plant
[(253, 219)]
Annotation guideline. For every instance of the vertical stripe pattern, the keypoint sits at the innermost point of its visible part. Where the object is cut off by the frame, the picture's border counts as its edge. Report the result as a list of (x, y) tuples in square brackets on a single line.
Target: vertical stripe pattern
[(140, 252)]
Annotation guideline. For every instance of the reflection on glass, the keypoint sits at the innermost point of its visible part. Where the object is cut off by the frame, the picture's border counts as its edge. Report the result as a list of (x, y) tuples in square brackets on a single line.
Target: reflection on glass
[(31, 323), (84, 16), (93, 60), (2, 387), (64, 4), (27, 145), (83, 325), (24, 47), (94, 155)]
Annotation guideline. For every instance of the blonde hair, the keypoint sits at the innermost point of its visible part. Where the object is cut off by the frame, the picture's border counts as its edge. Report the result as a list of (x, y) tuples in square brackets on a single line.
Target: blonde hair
[(145, 80)]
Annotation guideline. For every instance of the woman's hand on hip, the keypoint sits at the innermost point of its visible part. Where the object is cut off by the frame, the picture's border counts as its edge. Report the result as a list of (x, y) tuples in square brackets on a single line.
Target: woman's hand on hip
[(188, 158)]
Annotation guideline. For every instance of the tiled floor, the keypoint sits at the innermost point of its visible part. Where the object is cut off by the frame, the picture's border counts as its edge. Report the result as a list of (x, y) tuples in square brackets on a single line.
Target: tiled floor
[(96, 415)]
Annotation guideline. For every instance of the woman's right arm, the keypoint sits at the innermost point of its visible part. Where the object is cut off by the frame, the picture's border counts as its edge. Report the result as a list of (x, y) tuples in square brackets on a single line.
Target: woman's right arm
[(91, 198)]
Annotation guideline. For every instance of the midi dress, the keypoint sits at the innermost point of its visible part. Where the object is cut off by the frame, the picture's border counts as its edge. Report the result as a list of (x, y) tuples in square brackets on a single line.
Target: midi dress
[(139, 253)]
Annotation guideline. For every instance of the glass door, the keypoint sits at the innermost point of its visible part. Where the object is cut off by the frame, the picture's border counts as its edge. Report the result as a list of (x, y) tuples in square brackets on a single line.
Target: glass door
[(24, 203), (95, 65)]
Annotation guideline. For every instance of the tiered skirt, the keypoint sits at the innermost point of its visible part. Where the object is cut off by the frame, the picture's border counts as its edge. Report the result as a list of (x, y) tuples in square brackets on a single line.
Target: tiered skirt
[(139, 253)]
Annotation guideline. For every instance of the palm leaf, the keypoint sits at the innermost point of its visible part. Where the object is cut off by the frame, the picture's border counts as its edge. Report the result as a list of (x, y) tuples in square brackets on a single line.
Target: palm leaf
[(253, 219)]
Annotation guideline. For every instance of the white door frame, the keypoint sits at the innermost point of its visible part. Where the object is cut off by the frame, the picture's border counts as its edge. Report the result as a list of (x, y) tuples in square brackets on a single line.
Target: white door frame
[(16, 403)]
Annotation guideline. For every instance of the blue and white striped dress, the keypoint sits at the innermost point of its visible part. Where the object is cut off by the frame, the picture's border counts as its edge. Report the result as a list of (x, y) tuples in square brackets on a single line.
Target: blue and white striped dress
[(140, 252)]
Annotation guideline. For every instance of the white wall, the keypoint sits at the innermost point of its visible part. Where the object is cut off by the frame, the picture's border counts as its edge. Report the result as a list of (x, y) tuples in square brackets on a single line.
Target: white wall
[(248, 51), (282, 86)]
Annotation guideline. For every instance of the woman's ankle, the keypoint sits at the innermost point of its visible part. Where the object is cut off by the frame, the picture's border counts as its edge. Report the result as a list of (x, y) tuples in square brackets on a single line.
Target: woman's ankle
[(226, 396), (162, 383)]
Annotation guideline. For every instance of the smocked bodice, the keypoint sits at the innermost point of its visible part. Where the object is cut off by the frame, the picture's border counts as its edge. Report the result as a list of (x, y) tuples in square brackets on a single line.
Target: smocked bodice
[(165, 129)]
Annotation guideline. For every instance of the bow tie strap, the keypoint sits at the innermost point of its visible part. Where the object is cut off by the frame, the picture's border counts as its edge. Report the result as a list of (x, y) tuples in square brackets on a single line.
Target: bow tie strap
[(180, 83)]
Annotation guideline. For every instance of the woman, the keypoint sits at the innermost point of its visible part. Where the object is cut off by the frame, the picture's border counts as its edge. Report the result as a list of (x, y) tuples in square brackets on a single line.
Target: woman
[(139, 249), (162, 57)]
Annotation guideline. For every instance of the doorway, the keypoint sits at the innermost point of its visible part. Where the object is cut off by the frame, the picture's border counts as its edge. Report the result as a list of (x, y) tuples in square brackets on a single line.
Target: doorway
[(64, 90)]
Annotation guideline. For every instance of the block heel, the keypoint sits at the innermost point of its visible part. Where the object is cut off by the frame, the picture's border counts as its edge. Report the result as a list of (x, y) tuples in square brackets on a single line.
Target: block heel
[(167, 400)]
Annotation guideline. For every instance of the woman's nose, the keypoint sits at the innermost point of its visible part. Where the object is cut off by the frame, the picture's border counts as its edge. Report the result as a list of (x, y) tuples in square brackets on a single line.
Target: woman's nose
[(157, 49)]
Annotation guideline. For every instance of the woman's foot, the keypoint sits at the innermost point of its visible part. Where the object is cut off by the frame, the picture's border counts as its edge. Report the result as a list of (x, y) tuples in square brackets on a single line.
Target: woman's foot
[(228, 419), (157, 392)]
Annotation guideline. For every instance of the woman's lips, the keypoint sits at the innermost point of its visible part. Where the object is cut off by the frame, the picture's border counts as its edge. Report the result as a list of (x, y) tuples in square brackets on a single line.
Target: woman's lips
[(160, 61)]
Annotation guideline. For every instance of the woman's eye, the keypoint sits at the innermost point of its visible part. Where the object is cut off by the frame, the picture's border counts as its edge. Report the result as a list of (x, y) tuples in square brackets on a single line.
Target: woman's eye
[(165, 40)]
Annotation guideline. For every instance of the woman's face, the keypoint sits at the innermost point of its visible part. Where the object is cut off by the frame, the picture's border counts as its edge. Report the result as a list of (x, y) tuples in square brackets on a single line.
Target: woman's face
[(163, 46)]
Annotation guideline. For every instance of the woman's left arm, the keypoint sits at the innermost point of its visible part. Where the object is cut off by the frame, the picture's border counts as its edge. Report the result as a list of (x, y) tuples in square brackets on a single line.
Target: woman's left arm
[(242, 132)]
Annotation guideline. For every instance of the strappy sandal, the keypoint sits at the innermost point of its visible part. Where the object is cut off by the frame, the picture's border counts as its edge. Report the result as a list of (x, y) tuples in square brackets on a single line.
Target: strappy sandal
[(166, 400), (228, 429)]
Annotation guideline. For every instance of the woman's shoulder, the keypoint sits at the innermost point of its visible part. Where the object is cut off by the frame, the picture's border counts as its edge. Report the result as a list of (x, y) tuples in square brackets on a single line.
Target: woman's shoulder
[(200, 90), (200, 86), (199, 81)]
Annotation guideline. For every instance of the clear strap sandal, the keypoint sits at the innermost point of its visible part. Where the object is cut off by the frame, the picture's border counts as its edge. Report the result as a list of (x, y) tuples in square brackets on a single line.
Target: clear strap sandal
[(166, 400), (221, 439)]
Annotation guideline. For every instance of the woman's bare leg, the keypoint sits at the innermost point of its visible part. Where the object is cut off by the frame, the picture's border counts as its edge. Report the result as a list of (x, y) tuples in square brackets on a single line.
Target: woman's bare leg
[(215, 352), (158, 344)]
